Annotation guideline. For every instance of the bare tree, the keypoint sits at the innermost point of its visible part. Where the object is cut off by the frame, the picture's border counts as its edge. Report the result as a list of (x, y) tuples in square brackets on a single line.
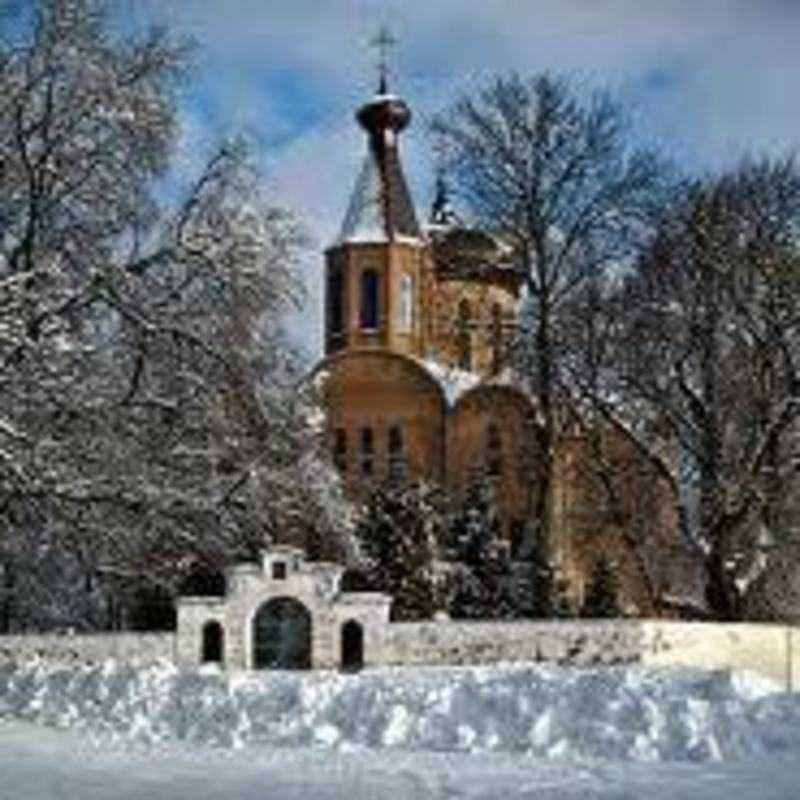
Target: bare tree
[(558, 181), (151, 411), (700, 347)]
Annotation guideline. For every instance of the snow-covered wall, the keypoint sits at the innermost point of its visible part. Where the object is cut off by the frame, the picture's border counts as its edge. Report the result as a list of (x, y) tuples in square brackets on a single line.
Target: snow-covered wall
[(140, 648), (770, 650), (773, 651), (477, 642)]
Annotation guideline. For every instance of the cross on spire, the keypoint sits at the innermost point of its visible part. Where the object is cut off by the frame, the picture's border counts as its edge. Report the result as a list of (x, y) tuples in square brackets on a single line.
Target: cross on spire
[(382, 42)]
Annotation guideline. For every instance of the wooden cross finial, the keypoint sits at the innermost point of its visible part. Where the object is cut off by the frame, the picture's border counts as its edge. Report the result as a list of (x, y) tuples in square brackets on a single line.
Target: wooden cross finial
[(382, 42)]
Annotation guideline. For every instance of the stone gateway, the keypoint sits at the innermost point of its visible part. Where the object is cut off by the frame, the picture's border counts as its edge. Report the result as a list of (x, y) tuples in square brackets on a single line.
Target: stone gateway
[(284, 613)]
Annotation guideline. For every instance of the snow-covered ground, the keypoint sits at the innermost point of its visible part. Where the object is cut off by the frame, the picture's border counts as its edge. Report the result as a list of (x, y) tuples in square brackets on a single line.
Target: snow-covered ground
[(510, 732)]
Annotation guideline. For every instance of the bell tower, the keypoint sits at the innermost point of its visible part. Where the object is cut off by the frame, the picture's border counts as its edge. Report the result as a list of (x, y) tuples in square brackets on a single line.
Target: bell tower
[(374, 269)]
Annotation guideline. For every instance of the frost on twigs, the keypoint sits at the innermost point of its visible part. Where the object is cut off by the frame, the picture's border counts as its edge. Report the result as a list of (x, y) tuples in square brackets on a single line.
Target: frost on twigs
[(153, 417)]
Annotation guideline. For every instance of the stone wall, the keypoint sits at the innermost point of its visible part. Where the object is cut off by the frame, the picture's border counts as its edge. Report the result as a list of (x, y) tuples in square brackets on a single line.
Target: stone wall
[(772, 651), (134, 648), (477, 642)]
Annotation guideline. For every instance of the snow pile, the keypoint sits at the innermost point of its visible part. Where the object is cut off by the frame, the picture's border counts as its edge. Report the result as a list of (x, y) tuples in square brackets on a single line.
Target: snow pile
[(541, 711)]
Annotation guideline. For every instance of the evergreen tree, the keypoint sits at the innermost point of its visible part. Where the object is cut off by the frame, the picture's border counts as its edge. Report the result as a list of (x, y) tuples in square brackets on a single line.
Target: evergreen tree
[(399, 531), (601, 599), (483, 586), (545, 600)]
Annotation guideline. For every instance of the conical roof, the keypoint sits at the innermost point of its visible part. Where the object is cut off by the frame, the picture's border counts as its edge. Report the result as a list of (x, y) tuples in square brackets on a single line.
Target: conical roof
[(381, 208)]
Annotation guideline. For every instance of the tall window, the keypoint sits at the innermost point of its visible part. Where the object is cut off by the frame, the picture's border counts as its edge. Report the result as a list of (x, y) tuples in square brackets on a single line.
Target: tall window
[(370, 284), (407, 303), (340, 450), (464, 335), (396, 456), (497, 338), (494, 451), (528, 449), (367, 452), (335, 298)]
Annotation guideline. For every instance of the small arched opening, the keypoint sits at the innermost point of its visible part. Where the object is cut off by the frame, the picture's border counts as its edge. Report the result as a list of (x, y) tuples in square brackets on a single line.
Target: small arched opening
[(352, 646), (213, 643)]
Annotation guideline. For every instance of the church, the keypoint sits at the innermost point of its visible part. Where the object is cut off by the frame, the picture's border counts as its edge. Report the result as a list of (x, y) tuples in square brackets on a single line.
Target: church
[(420, 311)]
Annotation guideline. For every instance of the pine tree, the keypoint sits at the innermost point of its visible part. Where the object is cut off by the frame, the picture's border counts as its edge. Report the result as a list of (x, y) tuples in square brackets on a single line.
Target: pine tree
[(399, 531), (483, 586), (545, 601), (601, 599)]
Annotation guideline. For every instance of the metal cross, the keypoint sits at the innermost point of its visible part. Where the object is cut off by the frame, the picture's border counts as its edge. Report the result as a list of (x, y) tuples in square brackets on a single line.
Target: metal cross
[(383, 41)]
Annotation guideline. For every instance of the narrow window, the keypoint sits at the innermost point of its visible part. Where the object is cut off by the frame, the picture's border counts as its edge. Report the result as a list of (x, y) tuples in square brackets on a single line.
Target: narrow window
[(464, 336), (335, 298), (494, 454), (517, 531), (528, 448), (340, 450), (369, 299), (279, 570), (367, 451), (407, 303), (497, 338), (396, 456)]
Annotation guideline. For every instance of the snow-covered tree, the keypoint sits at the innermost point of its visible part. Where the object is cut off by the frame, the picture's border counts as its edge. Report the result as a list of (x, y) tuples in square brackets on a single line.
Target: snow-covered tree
[(601, 596), (152, 415), (399, 531), (483, 582), (554, 177)]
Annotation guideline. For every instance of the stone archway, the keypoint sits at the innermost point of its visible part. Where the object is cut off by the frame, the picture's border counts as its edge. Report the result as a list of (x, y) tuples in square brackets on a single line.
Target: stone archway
[(352, 645), (281, 635)]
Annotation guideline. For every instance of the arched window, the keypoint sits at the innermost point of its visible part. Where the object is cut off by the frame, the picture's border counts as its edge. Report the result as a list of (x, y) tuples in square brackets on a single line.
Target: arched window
[(340, 450), (494, 451), (497, 338), (370, 284), (464, 335), (335, 301), (528, 448), (407, 303), (367, 452), (396, 454)]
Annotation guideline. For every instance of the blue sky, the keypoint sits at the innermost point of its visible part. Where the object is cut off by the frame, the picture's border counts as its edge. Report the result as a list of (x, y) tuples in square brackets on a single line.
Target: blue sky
[(707, 80)]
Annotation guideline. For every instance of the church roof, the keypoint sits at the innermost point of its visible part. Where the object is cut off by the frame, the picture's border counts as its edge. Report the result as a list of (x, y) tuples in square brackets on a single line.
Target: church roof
[(381, 208)]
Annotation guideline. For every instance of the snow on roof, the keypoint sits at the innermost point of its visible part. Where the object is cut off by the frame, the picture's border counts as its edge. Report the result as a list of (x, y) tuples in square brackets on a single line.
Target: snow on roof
[(380, 207), (457, 382)]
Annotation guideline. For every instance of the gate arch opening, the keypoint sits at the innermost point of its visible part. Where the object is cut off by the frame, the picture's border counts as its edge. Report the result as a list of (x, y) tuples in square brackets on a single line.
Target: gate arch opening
[(281, 635), (352, 645), (213, 642)]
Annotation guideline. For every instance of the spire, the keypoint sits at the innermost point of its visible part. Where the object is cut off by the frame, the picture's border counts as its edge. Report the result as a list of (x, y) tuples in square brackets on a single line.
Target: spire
[(380, 207)]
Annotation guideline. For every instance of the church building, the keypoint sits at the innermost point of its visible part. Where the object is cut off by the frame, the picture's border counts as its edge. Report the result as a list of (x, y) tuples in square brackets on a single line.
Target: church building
[(419, 314)]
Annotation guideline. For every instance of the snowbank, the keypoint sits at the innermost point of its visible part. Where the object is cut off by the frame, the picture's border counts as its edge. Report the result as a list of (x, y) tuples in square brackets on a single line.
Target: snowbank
[(539, 711)]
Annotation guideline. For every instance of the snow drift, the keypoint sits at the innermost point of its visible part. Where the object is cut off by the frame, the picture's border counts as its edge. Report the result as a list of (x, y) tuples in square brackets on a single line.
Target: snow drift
[(541, 711)]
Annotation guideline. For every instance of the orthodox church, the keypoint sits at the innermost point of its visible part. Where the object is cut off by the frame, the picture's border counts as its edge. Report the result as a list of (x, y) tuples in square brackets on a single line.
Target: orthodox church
[(415, 380)]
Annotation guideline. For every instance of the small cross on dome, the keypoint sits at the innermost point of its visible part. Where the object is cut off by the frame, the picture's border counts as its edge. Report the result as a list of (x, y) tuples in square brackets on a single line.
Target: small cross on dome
[(382, 42)]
